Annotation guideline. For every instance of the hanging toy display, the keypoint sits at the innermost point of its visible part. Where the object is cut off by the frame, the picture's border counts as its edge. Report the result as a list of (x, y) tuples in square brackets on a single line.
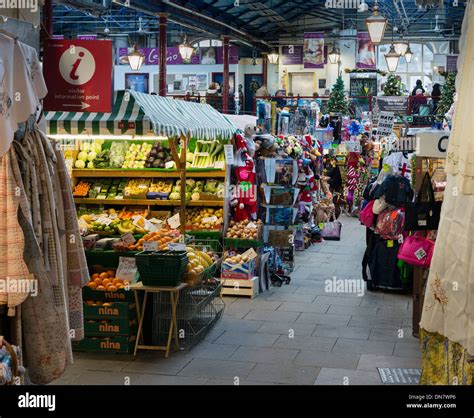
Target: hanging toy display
[(245, 199)]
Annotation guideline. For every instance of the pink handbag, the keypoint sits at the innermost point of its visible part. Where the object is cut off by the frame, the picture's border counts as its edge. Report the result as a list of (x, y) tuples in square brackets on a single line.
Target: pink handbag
[(416, 250), (366, 215)]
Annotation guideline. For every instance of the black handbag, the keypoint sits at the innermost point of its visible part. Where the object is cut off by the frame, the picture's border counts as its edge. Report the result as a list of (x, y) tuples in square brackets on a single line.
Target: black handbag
[(424, 213)]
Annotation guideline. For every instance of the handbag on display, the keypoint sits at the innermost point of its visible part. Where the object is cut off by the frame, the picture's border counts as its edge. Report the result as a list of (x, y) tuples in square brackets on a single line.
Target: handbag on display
[(424, 213), (438, 181), (417, 250), (332, 231), (367, 214), (390, 224)]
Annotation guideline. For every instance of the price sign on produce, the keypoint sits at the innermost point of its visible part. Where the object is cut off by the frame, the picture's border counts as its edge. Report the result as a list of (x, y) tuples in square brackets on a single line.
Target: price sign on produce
[(229, 154), (174, 222), (104, 221), (176, 246), (127, 269), (150, 246), (128, 238)]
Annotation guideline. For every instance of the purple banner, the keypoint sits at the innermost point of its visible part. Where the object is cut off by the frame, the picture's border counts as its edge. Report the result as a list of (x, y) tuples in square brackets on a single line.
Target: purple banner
[(292, 55), (173, 56), (451, 63), (365, 57), (233, 54), (87, 37), (313, 50)]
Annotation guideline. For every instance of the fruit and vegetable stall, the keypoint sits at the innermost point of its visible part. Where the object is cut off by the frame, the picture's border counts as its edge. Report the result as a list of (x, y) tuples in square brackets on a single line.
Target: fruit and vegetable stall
[(149, 179)]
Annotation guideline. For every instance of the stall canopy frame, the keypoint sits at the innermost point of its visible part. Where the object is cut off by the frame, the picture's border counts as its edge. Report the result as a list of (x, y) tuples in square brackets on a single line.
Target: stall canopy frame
[(144, 114)]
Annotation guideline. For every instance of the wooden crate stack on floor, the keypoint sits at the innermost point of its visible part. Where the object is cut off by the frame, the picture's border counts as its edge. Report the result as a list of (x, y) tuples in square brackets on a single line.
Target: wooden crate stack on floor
[(240, 287)]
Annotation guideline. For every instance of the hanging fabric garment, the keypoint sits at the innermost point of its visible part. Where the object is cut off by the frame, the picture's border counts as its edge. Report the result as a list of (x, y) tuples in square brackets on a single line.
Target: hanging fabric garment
[(447, 322), (14, 275), (47, 350), (18, 99)]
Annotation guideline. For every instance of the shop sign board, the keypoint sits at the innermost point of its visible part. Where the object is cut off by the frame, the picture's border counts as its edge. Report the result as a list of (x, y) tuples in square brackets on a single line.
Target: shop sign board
[(385, 123), (292, 55), (396, 104), (432, 143), (78, 75)]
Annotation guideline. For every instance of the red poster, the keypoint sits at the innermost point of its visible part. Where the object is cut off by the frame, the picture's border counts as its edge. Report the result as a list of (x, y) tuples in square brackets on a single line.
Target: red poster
[(78, 74)]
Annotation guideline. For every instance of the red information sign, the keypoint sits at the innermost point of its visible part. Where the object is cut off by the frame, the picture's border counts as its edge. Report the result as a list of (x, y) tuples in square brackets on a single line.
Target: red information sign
[(78, 75)]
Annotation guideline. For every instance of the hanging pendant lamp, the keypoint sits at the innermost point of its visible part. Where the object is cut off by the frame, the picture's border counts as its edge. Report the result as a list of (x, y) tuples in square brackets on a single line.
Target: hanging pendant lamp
[(273, 57), (392, 59), (376, 25), (186, 50), (334, 55), (401, 48), (408, 55), (135, 58)]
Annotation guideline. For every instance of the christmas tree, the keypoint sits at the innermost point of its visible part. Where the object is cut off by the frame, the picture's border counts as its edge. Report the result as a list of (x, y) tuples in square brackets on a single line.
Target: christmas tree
[(447, 95), (337, 99), (393, 86)]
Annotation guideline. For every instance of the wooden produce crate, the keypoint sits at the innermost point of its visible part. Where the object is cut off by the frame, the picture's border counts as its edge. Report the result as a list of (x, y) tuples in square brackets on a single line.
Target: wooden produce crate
[(236, 287)]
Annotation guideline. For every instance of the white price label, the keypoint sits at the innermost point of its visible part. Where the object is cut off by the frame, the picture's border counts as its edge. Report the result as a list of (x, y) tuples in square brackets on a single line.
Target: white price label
[(169, 164), (104, 221), (219, 165), (139, 220), (174, 222), (128, 238), (229, 154), (127, 269), (158, 223), (119, 197), (251, 225), (250, 254), (150, 246), (176, 246), (210, 219), (150, 227), (420, 253)]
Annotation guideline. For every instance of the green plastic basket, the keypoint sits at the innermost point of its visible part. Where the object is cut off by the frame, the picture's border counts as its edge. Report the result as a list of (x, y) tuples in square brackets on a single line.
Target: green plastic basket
[(241, 243), (161, 268)]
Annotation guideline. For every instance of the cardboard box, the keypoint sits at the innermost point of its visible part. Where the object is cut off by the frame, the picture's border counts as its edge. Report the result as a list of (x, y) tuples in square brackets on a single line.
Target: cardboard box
[(242, 271), (115, 310), (105, 328)]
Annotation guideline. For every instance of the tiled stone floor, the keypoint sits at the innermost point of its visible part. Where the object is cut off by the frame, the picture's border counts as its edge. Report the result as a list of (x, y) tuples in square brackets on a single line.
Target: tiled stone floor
[(297, 334)]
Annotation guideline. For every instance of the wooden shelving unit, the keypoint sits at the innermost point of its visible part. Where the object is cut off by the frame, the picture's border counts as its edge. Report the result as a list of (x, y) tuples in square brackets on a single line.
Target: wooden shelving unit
[(146, 173), (145, 202)]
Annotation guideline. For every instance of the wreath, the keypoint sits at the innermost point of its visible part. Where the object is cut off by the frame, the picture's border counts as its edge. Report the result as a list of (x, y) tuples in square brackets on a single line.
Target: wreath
[(365, 70)]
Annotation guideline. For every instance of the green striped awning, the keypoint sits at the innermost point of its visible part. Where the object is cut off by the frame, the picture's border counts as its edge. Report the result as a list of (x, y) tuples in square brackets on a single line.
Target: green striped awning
[(141, 114)]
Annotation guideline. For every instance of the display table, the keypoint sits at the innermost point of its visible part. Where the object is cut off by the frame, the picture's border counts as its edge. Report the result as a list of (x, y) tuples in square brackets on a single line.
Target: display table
[(173, 330)]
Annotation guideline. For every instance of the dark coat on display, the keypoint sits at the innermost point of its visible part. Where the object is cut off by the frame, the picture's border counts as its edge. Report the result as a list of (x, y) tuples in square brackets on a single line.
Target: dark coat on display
[(397, 190)]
